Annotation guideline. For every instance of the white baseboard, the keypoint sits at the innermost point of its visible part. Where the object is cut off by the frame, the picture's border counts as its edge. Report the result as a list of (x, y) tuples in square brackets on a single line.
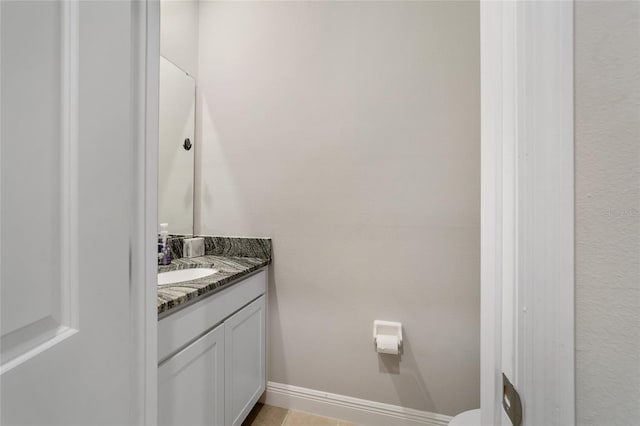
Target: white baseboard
[(355, 410)]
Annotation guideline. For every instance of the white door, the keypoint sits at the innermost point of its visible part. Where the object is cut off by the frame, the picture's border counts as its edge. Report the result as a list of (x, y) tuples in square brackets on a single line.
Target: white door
[(527, 213), (71, 304)]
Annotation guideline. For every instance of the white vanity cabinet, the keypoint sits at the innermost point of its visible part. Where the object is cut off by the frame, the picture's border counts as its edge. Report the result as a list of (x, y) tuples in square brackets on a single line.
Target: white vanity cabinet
[(212, 357)]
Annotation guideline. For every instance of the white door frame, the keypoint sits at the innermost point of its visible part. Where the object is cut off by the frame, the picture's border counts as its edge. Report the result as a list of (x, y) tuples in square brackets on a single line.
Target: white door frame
[(527, 207), (527, 220), (146, 60)]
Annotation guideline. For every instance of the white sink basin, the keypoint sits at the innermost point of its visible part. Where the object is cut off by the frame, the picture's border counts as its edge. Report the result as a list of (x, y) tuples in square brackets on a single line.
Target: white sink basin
[(182, 275)]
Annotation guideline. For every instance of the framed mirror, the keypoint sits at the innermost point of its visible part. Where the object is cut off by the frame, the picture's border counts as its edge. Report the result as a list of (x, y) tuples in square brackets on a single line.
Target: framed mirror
[(177, 147)]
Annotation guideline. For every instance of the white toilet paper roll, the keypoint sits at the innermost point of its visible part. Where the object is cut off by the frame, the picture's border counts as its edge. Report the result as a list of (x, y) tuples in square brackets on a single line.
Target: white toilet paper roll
[(387, 344)]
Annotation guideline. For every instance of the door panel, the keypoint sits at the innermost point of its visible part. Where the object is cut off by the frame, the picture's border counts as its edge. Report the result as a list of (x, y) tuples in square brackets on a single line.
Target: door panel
[(34, 200)]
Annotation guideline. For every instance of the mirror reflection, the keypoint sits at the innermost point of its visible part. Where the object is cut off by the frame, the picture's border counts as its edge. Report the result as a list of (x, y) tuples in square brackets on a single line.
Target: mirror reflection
[(177, 147)]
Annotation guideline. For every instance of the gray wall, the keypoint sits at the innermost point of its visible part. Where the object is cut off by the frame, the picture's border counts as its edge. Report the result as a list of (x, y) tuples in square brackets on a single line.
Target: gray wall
[(607, 101), (349, 132), (179, 33)]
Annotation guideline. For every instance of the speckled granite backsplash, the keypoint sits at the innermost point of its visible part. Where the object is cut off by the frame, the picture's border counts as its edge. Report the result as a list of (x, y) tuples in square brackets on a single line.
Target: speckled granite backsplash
[(238, 247), (226, 246), (175, 246)]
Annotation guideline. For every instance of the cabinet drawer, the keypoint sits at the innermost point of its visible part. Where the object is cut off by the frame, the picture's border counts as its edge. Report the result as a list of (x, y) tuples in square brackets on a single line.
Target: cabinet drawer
[(176, 330)]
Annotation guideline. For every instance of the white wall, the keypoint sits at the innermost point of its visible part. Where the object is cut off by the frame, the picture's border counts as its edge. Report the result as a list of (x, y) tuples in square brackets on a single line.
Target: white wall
[(349, 132), (179, 33), (607, 106)]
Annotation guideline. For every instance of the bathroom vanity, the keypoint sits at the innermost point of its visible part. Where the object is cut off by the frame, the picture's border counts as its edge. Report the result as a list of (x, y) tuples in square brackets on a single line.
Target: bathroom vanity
[(211, 308), (211, 341)]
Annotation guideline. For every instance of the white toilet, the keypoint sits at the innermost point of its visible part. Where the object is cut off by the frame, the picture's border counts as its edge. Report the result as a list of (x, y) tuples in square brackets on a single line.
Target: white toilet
[(466, 418)]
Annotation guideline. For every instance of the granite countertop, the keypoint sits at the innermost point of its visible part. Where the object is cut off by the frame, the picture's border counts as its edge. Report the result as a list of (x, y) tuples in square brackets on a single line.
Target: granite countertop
[(229, 262)]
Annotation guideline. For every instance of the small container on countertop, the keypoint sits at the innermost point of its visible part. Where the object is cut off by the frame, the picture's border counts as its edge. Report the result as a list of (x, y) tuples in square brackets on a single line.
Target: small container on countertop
[(193, 247)]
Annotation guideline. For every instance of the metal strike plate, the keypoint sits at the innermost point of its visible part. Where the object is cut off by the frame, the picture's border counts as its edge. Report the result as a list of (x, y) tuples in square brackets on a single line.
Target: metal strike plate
[(511, 402)]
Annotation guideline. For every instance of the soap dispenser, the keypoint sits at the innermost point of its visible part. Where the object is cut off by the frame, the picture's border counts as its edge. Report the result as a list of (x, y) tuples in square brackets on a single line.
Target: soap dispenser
[(164, 252)]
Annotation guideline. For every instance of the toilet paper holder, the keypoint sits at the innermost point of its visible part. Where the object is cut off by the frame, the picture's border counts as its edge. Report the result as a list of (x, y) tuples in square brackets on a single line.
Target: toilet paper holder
[(388, 328)]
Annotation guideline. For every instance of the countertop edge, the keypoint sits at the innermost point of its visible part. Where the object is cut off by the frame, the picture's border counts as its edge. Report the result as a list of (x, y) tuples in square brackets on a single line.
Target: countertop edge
[(168, 307)]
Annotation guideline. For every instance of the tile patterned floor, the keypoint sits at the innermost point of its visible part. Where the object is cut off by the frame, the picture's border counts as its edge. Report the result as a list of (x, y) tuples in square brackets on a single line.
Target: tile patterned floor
[(267, 415)]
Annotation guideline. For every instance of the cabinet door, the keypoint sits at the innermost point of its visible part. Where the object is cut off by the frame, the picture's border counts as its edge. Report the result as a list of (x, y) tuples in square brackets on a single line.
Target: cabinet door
[(191, 383), (245, 361)]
